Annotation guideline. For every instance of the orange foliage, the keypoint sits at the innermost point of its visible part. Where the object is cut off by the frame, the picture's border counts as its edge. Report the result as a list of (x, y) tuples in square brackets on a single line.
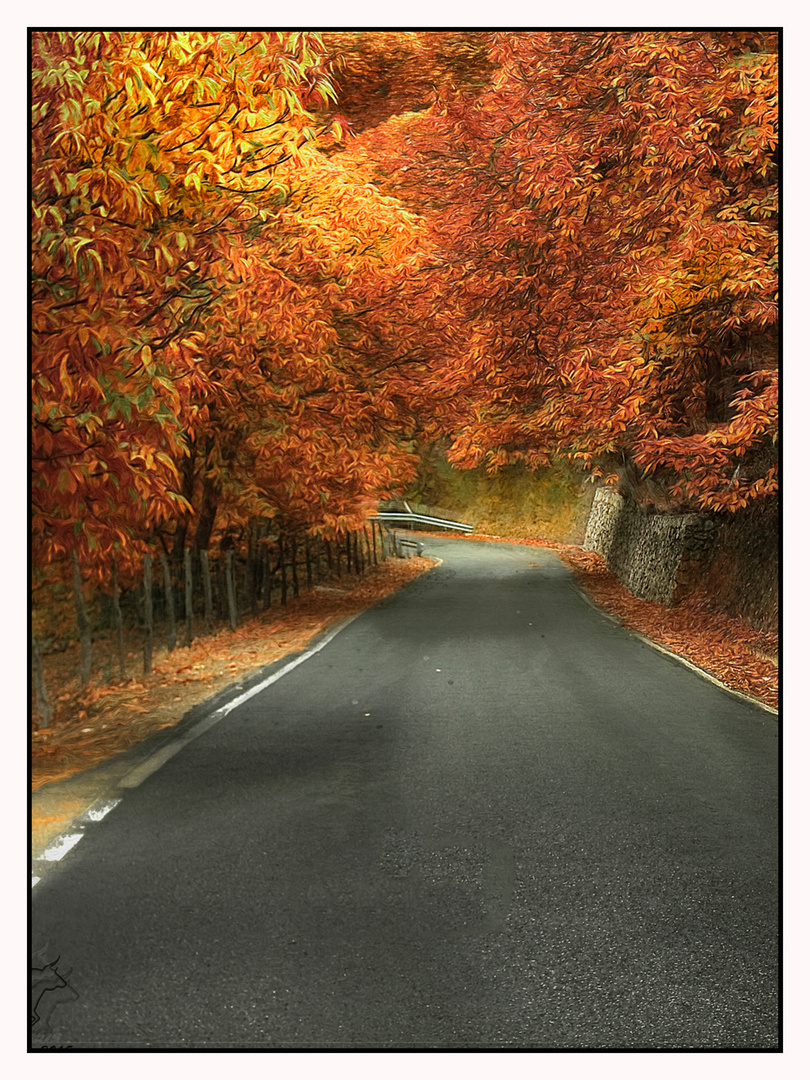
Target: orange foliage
[(604, 216), (214, 302)]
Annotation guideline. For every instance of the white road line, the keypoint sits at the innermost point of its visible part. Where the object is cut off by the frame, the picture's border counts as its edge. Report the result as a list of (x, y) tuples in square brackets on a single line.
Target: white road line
[(137, 776), (99, 810), (61, 846), (706, 675)]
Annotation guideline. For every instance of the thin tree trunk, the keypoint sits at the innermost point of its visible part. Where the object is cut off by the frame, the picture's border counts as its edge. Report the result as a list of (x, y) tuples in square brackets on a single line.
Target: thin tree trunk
[(187, 490), (147, 614), (256, 570), (327, 544), (82, 621), (189, 596), (372, 545), (283, 570), (308, 557), (171, 621), (119, 621), (246, 575), (294, 561), (43, 705), (231, 587), (255, 567), (208, 599), (268, 575), (206, 517), (348, 553)]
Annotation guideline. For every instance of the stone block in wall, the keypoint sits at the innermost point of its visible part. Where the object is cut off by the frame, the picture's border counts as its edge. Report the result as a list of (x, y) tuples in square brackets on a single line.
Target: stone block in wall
[(743, 571), (654, 555), (699, 540), (603, 521), (734, 558)]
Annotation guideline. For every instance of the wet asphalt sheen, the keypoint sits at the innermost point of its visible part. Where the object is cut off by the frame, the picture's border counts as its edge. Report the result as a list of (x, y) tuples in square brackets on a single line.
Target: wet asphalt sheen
[(482, 817)]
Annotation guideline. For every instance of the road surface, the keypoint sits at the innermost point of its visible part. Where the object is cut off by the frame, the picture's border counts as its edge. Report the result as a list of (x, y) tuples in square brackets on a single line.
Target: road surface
[(483, 816)]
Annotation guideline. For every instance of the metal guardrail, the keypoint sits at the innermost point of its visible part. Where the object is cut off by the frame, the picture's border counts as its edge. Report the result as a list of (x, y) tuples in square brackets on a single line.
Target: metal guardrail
[(406, 549), (394, 517)]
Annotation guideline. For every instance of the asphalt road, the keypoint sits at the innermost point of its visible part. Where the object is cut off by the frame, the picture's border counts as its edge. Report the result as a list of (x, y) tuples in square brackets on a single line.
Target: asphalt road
[(482, 817)]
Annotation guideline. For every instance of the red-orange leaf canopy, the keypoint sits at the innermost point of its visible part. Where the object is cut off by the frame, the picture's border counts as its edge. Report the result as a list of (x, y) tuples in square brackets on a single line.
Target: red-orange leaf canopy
[(605, 214)]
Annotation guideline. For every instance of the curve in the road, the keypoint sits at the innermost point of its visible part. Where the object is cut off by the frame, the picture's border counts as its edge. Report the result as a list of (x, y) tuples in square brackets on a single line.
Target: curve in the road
[(483, 817)]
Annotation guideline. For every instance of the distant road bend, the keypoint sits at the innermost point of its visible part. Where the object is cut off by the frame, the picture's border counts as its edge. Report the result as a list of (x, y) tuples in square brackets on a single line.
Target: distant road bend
[(483, 816)]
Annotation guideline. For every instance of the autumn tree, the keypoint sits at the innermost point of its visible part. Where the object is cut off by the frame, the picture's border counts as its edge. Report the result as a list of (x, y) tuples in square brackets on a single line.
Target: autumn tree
[(129, 130), (605, 213), (307, 414), (199, 272)]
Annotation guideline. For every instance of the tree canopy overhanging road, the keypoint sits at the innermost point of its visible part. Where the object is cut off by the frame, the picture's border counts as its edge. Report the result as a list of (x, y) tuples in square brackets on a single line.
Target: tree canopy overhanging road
[(269, 268), (482, 816)]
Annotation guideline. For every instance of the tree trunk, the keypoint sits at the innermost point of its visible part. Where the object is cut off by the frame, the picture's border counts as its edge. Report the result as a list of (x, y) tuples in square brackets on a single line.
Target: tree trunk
[(147, 614), (258, 571), (82, 621), (171, 621), (208, 599), (253, 567), (206, 517), (268, 576), (348, 553), (294, 562), (283, 570), (372, 545), (308, 557), (328, 545), (43, 705), (231, 587), (189, 607), (245, 585), (119, 621), (187, 490)]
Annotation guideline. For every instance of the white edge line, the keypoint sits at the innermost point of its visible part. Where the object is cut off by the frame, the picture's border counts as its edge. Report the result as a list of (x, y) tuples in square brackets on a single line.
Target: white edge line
[(66, 841), (707, 675), (99, 809), (676, 656), (60, 846), (137, 775)]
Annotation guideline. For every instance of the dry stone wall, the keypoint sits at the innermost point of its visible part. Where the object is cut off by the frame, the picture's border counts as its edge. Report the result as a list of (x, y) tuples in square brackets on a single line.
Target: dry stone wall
[(652, 554), (663, 557), (743, 575)]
